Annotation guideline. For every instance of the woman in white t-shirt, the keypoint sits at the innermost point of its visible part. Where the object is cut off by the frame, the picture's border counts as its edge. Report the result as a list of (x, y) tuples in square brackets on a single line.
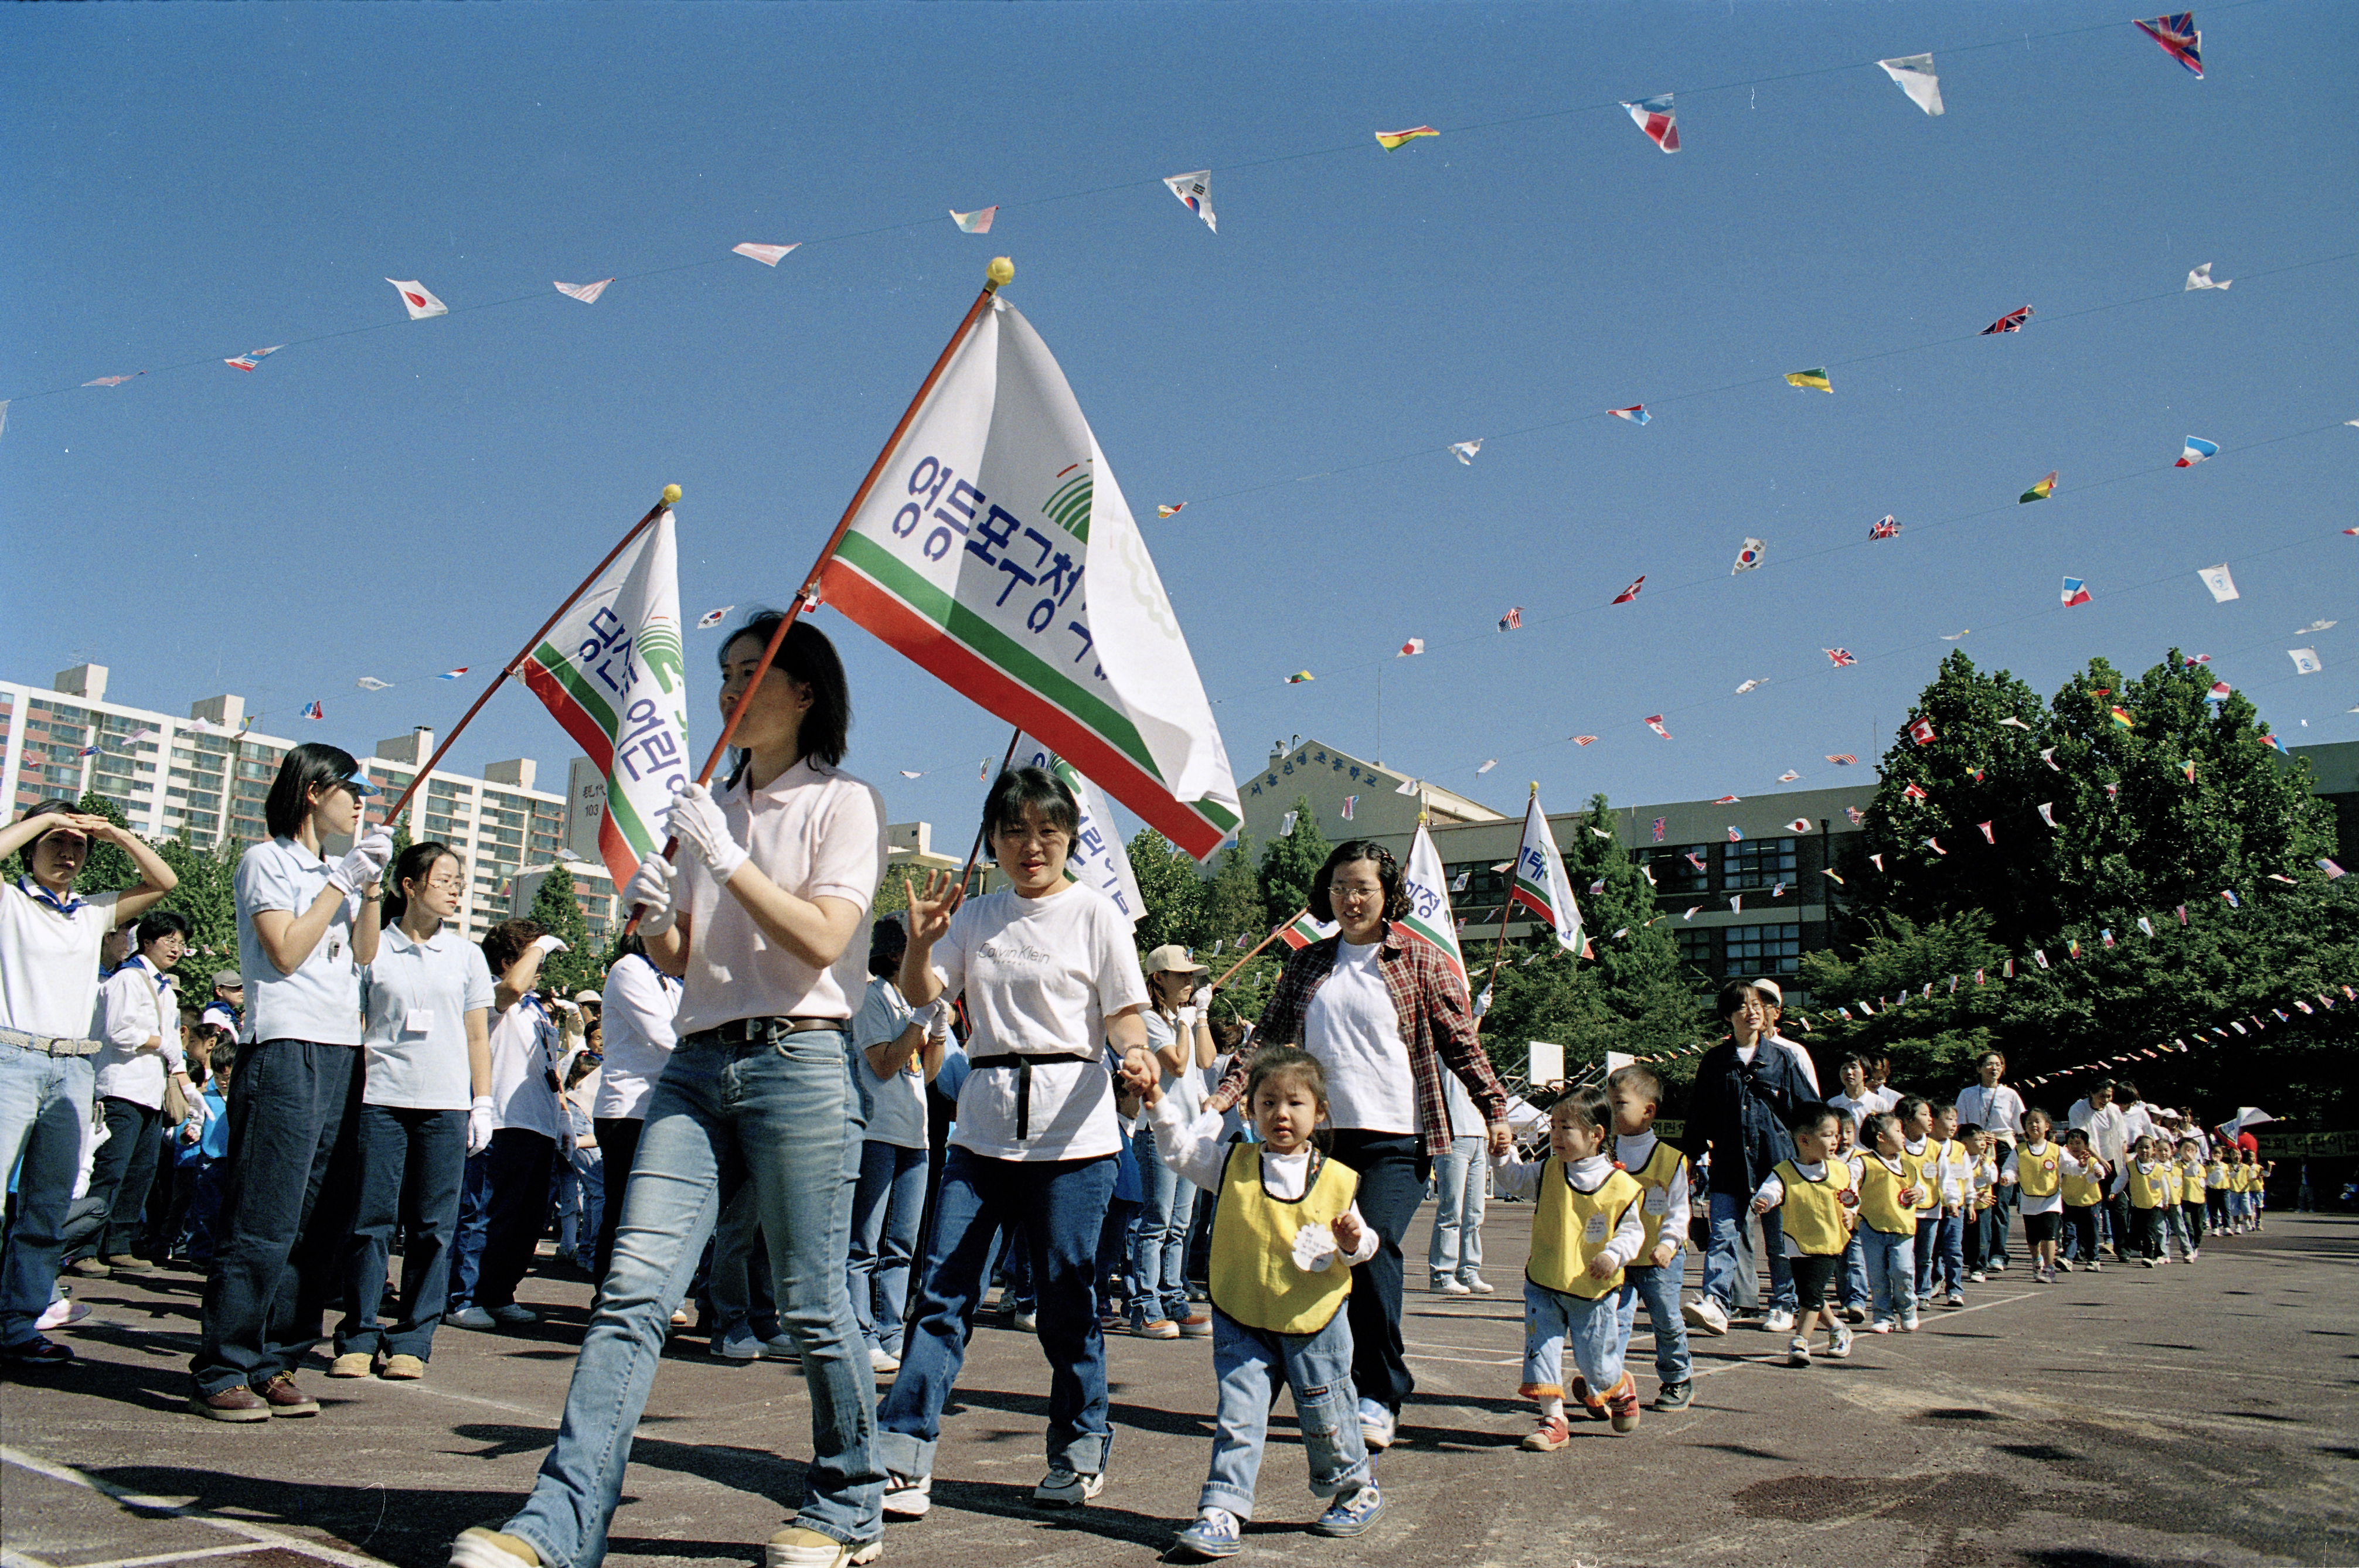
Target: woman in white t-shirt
[(900, 1050), (1051, 976), (426, 998), (49, 940), (636, 1024)]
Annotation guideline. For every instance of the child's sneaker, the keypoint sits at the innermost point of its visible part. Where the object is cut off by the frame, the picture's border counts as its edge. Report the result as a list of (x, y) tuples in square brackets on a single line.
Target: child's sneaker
[(1881, 1325), (1353, 1513), (1587, 1397), (1705, 1316), (1909, 1321), (1956, 1299), (1215, 1534), (1674, 1396), (1552, 1434), (1839, 1346), (1979, 1277), (1622, 1404), (1798, 1352)]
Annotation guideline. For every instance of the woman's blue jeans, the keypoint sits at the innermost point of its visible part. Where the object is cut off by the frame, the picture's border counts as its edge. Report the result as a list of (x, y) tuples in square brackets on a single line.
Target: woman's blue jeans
[(782, 1116), (1729, 1213), (1062, 1203), (886, 1209), (1159, 1263)]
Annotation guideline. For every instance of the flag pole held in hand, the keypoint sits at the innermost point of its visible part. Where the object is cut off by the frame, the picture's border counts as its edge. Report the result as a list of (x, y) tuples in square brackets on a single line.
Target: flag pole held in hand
[(1000, 272), (670, 496)]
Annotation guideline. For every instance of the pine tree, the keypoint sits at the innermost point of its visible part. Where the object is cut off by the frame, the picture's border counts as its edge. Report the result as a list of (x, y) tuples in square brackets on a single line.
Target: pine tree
[(1233, 904), (110, 868), (1174, 894), (558, 912), (1289, 865), (207, 895)]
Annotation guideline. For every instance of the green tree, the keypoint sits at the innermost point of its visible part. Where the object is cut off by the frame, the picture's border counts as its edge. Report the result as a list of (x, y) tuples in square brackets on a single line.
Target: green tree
[(1289, 864), (207, 895), (1233, 904), (1172, 891), (110, 868), (557, 910)]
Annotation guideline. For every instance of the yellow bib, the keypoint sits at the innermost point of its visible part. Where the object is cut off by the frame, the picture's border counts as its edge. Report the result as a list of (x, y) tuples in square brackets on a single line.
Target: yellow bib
[(1816, 1218), (2215, 1175), (2149, 1186), (2191, 1183), (2243, 1182), (1569, 1228), (2081, 1189), (1928, 1190), (1254, 1277), (1879, 1194), (2039, 1171), (1654, 1178)]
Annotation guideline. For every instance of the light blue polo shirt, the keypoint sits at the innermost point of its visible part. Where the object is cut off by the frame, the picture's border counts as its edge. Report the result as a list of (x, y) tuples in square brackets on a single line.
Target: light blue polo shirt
[(415, 999), (320, 1002)]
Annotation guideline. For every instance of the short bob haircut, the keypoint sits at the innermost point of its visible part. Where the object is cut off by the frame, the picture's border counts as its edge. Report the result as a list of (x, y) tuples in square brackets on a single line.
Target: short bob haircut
[(503, 944), (1043, 791), (158, 924), (54, 806), (887, 939), (808, 658), (311, 766), (1735, 995), (1389, 876)]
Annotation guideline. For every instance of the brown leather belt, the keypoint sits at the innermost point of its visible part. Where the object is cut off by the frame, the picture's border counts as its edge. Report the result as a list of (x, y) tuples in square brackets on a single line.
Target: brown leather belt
[(762, 1031)]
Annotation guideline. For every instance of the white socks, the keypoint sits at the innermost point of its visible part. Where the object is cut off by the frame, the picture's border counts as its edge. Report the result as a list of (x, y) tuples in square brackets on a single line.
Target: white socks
[(1551, 1407)]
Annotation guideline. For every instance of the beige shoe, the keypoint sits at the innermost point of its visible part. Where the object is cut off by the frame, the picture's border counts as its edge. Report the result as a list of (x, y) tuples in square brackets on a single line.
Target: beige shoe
[(403, 1369), (352, 1364), (795, 1547), (483, 1547)]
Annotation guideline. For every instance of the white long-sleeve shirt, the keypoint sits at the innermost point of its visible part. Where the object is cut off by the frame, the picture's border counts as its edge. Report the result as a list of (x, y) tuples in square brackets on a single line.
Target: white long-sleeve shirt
[(135, 1007), (1634, 1152), (1193, 1147), (1514, 1178), (1996, 1110)]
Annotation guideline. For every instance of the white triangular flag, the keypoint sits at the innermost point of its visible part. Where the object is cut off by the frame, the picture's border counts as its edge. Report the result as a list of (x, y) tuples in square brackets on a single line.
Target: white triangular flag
[(1914, 75), (418, 299), (2305, 661), (768, 255), (2201, 278), (2216, 579), (587, 293), (1286, 828), (1196, 190), (1466, 451)]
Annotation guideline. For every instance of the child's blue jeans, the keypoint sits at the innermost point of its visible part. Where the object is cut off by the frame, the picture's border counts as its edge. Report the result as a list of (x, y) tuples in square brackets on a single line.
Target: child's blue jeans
[(1852, 1279), (1593, 1328), (1659, 1289), (1250, 1365), (1891, 1263)]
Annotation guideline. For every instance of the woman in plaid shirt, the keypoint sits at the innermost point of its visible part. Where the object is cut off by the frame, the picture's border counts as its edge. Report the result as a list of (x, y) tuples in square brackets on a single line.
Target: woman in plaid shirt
[(1385, 1014)]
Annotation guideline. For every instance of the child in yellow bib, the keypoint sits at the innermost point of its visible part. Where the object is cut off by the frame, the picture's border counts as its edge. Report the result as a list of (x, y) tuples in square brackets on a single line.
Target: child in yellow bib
[(1890, 1179), (2039, 1167), (2215, 1189), (2191, 1196), (1814, 1191), (1285, 1240), (1653, 1276), (2083, 1178), (2149, 1181), (1588, 1222)]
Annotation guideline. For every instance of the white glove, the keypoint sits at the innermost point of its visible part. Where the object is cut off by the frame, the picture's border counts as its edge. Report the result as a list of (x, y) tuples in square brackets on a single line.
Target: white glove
[(651, 890), (1202, 1001), (1187, 1017), (938, 1026), (366, 864), (479, 1125), (695, 819), (550, 943)]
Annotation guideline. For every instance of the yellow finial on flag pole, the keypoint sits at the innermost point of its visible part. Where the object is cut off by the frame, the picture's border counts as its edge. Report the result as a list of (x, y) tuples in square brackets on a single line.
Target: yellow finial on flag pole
[(1536, 786), (671, 495), (1001, 272)]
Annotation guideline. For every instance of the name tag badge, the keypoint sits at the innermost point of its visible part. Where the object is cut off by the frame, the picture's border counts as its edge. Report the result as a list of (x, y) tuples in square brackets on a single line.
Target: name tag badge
[(1595, 1231), (1658, 1200), (335, 949), (418, 1020)]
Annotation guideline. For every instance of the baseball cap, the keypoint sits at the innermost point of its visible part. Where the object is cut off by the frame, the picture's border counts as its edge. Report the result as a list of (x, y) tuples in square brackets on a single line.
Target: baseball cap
[(1171, 958), (593, 997), (1766, 984), (229, 979)]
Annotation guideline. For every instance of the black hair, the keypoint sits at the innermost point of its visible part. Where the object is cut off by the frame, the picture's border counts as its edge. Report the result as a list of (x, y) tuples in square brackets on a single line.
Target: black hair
[(1809, 1116), (1388, 877), (158, 924), (1855, 1060), (1733, 998), (2080, 1132), (414, 865), (307, 767), (1588, 1106), (887, 940), (2035, 1111), (808, 658), (1286, 1062), (503, 944), (629, 946), (1645, 1080), (1043, 791), (2125, 1091), (1970, 1130), (1908, 1106), (1873, 1128)]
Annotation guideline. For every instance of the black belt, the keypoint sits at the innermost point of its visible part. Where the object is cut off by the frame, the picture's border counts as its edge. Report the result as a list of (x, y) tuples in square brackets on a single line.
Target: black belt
[(762, 1031), (1022, 1062)]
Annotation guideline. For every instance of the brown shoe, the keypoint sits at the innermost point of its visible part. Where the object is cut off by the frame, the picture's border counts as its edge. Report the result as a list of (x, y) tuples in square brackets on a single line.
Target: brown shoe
[(352, 1364), (403, 1369), (285, 1399), (236, 1402), (85, 1268), (125, 1263)]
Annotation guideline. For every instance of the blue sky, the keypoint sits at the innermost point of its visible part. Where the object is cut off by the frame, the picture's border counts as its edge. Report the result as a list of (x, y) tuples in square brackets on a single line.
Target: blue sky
[(188, 183)]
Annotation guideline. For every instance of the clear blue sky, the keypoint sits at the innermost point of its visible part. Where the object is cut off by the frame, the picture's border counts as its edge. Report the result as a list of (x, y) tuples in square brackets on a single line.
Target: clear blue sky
[(190, 181)]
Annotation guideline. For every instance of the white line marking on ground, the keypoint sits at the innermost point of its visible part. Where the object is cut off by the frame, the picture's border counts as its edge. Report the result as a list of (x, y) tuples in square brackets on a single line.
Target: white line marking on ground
[(179, 1556), (260, 1535)]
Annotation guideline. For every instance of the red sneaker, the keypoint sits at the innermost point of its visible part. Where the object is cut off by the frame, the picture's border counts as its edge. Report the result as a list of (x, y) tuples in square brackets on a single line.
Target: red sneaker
[(1586, 1397), (1622, 1404), (1552, 1434)]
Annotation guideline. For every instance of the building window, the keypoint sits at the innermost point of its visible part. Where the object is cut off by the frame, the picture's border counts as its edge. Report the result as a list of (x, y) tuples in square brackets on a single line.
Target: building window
[(1764, 949), (1678, 868), (1695, 946), (1757, 862)]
